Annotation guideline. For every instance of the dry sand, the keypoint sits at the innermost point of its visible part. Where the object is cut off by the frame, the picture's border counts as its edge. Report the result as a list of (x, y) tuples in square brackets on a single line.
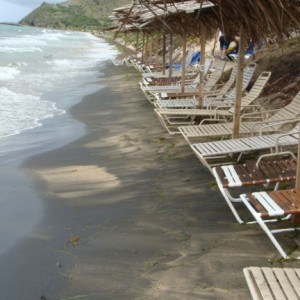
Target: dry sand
[(130, 213)]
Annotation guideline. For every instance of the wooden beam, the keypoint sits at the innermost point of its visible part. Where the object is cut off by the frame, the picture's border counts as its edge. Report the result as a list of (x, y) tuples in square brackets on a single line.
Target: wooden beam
[(151, 48), (137, 44), (239, 84), (157, 49), (183, 63), (296, 218), (146, 54), (164, 54), (171, 55), (202, 63), (298, 167), (125, 44), (143, 47)]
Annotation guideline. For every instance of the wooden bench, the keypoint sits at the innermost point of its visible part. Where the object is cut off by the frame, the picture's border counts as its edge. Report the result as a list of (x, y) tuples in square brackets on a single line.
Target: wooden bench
[(273, 283), (251, 173)]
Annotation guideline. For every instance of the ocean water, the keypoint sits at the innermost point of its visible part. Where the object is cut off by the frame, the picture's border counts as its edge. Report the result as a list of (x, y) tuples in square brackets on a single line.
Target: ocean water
[(36, 64), (43, 73)]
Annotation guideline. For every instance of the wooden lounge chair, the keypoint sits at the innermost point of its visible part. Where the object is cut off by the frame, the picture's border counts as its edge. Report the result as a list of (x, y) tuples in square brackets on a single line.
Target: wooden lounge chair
[(147, 72), (267, 283), (189, 101), (231, 178), (176, 79), (278, 119), (191, 73), (225, 111), (264, 206), (213, 74), (190, 86), (173, 117), (219, 90), (213, 153)]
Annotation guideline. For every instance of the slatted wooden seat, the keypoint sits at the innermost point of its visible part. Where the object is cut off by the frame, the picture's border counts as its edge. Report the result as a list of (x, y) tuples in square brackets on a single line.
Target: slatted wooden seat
[(275, 143), (275, 204), (288, 114), (176, 95), (167, 81), (267, 283), (178, 103), (251, 173)]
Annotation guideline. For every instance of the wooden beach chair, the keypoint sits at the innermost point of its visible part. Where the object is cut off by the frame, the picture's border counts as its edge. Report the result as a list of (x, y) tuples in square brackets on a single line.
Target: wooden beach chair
[(148, 72), (224, 112), (231, 178), (267, 283), (213, 153), (277, 120), (266, 206), (190, 86), (166, 79), (174, 80), (218, 90), (190, 101), (214, 73), (117, 62), (175, 117)]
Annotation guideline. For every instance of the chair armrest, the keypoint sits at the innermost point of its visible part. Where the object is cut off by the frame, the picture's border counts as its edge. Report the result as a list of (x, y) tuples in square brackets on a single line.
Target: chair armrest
[(262, 113), (278, 139), (266, 124), (214, 120)]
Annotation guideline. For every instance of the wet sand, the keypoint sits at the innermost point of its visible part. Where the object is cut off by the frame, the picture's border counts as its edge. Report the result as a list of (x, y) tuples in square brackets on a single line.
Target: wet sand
[(128, 213)]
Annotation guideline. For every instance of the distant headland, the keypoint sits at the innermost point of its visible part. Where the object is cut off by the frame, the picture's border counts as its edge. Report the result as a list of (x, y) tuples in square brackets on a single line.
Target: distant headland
[(10, 23)]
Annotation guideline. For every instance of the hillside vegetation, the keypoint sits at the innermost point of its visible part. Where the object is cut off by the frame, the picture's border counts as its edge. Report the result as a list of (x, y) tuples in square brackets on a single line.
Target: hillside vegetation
[(86, 15)]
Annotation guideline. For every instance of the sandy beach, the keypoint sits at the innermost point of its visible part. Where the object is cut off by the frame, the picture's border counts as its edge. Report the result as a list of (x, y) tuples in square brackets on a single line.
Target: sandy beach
[(127, 212)]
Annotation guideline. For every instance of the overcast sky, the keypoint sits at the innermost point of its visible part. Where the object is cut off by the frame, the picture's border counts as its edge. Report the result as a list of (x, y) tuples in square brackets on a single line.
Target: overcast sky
[(15, 10)]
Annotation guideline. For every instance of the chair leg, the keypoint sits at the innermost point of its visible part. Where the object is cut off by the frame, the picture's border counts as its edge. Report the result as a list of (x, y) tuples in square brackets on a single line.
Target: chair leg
[(265, 228), (228, 198)]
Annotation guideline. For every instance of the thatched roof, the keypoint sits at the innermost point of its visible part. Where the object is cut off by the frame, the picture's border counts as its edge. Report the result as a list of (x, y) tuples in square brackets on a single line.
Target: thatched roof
[(156, 15), (259, 18)]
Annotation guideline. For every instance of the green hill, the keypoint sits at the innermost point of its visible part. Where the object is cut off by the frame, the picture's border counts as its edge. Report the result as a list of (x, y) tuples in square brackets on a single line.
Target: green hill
[(86, 15)]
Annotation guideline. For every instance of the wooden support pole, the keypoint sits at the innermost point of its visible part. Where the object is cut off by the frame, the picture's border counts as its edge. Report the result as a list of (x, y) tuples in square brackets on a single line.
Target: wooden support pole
[(157, 49), (137, 44), (164, 54), (183, 63), (146, 54), (296, 218), (143, 47), (202, 63), (125, 44), (239, 85), (151, 49), (298, 165), (171, 55)]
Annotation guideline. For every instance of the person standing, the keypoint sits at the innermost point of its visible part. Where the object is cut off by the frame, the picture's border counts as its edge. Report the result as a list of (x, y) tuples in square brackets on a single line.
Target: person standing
[(223, 43)]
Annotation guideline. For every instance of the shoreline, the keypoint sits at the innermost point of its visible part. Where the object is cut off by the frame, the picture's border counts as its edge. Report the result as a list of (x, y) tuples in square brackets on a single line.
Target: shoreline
[(127, 214)]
